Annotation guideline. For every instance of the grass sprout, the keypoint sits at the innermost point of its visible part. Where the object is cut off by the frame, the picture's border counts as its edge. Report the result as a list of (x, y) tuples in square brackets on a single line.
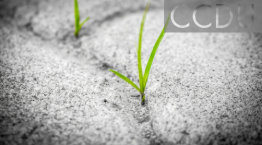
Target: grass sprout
[(143, 77), (78, 25)]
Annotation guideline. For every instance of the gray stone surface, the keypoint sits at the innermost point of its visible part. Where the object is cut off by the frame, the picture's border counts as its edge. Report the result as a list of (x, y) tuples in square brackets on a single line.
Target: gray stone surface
[(203, 88), (49, 100)]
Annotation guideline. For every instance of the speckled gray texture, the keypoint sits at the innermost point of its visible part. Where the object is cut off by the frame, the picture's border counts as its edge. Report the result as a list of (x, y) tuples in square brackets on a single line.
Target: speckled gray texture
[(49, 100), (55, 89), (55, 18), (203, 88)]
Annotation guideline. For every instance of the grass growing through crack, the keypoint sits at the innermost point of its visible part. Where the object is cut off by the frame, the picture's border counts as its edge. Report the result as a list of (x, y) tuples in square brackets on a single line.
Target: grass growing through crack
[(143, 78), (78, 25)]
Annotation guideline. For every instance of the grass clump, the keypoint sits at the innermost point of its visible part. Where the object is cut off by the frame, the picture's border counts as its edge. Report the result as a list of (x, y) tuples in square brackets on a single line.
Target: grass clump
[(78, 25), (143, 77)]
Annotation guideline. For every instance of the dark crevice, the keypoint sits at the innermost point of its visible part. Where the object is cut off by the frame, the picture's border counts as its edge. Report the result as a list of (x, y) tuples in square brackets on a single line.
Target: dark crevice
[(116, 14), (68, 38), (29, 28), (119, 14), (105, 66)]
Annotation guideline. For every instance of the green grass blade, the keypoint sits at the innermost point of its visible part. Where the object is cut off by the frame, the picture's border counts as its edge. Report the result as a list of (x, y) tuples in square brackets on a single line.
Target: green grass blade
[(151, 58), (143, 100), (126, 79), (77, 16), (139, 58), (76, 32), (84, 22)]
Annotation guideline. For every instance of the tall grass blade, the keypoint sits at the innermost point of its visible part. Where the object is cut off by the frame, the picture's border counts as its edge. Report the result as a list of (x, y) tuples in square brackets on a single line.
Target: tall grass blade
[(139, 58), (126, 79), (151, 58), (77, 16)]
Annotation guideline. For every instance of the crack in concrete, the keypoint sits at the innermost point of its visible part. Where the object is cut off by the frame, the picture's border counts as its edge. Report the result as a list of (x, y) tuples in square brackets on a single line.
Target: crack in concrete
[(144, 121)]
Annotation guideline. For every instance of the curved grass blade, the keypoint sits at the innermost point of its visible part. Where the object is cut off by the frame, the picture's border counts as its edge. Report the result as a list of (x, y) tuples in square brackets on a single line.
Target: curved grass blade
[(84, 22), (139, 58), (126, 79), (151, 58)]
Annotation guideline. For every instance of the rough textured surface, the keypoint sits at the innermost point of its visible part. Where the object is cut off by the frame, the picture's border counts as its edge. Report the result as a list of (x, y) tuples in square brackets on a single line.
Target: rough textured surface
[(49, 100), (195, 89), (55, 89)]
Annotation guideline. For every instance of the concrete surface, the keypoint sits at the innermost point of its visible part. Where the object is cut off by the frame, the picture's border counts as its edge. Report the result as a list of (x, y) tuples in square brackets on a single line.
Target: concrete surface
[(204, 88)]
